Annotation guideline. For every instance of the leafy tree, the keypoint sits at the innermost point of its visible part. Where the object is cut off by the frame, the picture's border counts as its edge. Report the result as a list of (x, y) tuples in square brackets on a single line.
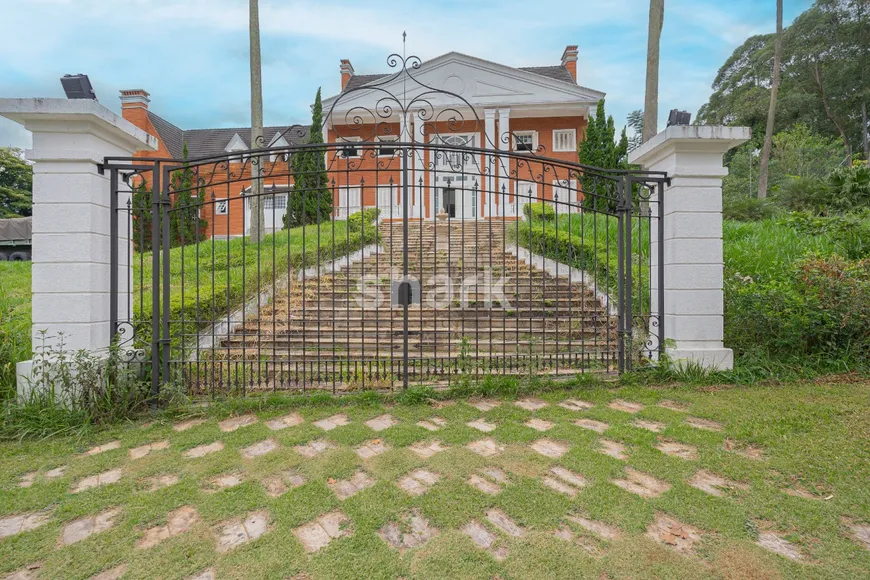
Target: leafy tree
[(185, 225), (771, 113), (635, 123), (825, 75), (600, 149), (142, 217), (310, 200), (16, 184)]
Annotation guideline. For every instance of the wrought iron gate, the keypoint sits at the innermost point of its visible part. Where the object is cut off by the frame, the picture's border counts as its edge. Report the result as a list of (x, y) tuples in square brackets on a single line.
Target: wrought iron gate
[(386, 259)]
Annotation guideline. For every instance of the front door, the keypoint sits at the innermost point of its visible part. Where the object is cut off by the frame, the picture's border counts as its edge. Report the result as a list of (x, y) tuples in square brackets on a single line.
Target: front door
[(457, 203)]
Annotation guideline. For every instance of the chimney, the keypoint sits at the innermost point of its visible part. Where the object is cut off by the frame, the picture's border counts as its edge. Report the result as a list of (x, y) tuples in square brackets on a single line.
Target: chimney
[(134, 107), (569, 60), (346, 72)]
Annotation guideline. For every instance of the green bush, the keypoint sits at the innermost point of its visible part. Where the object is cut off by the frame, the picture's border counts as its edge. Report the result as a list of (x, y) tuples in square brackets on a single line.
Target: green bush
[(850, 233), (851, 187), (368, 217), (748, 209), (539, 211), (14, 322)]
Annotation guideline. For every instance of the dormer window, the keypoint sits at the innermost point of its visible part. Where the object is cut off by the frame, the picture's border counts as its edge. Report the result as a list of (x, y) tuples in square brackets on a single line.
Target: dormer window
[(236, 144)]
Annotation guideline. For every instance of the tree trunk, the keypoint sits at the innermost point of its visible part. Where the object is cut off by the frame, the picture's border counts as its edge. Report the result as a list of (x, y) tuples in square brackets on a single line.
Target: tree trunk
[(828, 111), (651, 100), (771, 112), (257, 217)]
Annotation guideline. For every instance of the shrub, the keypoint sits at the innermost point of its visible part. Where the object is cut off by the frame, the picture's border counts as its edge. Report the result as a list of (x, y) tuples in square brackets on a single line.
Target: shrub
[(850, 233), (367, 216), (810, 194), (539, 211), (851, 187), (748, 209)]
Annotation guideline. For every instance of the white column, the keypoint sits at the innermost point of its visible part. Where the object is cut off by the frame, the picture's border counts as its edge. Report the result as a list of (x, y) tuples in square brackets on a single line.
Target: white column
[(489, 164), (419, 167), (692, 223), (502, 170), (72, 216)]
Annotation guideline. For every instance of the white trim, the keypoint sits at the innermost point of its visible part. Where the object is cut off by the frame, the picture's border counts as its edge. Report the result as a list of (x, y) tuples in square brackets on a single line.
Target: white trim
[(572, 140), (387, 139), (568, 187), (236, 144), (515, 142), (279, 142), (351, 140), (349, 201)]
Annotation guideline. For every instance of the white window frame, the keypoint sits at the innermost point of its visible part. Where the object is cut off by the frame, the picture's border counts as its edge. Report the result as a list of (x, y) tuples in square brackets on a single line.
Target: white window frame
[(357, 147), (534, 135), (559, 186), (572, 140), (468, 140), (392, 207), (345, 206), (387, 139)]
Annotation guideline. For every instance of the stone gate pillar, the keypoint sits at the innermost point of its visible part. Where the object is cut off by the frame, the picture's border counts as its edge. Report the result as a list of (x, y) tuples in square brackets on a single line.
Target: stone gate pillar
[(72, 217), (692, 224)]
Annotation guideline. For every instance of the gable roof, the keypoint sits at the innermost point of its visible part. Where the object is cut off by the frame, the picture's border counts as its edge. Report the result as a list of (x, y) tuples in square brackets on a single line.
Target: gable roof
[(209, 142)]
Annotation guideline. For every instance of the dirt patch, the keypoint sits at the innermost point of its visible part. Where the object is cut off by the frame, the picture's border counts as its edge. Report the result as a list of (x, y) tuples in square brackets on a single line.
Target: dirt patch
[(427, 449), (110, 446), (224, 482), (496, 474), (778, 545), (204, 450), (612, 448), (548, 448), (745, 449), (485, 447), (278, 485), (433, 424), (204, 575), (803, 493), (559, 486), (485, 539), (29, 572), (592, 425), (626, 406), (569, 477), (178, 522), (501, 520), (705, 424), (861, 534), (12, 525), (235, 423), (27, 479), (160, 481), (670, 532), (258, 449), (78, 530), (484, 485), (56, 472), (372, 448), (113, 574), (350, 487), (714, 484), (576, 405), (143, 450), (601, 529), (284, 422), (412, 531), (189, 424), (737, 562), (105, 478), (482, 425), (313, 448), (653, 426), (539, 425), (531, 404), (381, 423), (316, 535), (234, 534), (330, 423), (484, 405), (642, 484), (673, 406), (676, 449), (418, 482)]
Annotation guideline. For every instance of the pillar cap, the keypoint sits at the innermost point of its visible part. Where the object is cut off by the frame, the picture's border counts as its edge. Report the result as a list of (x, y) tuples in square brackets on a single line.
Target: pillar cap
[(708, 138)]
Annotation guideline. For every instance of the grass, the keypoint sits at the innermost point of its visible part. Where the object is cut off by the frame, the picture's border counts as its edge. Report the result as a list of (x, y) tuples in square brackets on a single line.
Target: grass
[(814, 436), (15, 341), (210, 279)]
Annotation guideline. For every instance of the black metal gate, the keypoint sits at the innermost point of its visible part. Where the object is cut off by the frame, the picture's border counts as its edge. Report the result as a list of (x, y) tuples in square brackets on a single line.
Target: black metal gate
[(383, 262)]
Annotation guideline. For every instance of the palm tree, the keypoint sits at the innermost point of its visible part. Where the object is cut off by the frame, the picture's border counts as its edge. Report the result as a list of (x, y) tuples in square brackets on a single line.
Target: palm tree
[(651, 102), (771, 112)]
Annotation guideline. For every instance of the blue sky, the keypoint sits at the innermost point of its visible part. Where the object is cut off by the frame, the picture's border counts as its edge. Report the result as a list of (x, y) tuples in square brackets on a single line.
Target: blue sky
[(192, 55)]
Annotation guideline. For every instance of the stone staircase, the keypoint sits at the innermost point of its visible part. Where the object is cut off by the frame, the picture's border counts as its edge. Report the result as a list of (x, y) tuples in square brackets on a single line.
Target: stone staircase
[(512, 319)]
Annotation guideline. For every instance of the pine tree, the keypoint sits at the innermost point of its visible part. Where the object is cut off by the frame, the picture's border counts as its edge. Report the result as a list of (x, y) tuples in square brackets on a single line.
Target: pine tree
[(310, 200), (600, 149), (140, 206), (185, 225)]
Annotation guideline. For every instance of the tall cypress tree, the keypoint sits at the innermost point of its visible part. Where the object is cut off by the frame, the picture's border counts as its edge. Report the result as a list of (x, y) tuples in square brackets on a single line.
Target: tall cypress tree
[(143, 218), (184, 220), (310, 200), (600, 149)]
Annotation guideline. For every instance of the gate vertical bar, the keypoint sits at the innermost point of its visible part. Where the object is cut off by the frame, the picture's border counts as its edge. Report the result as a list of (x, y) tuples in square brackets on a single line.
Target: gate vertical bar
[(164, 339), (113, 253), (155, 282), (620, 277), (405, 288), (627, 285), (660, 230)]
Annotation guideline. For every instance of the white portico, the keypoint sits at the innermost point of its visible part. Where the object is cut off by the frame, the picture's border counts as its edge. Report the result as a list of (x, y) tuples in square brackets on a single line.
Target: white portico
[(456, 100)]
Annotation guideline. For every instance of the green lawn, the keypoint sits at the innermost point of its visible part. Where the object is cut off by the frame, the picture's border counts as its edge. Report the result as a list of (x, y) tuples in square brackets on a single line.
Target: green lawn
[(814, 439), (14, 321)]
